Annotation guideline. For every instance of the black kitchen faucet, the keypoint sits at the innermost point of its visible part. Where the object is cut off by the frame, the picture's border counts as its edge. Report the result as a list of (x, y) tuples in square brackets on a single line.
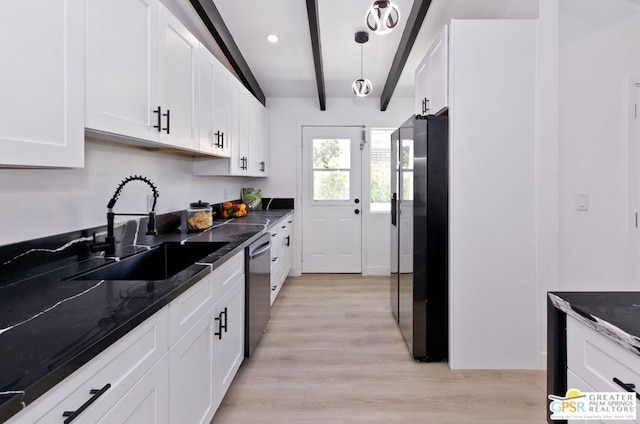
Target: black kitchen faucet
[(109, 244)]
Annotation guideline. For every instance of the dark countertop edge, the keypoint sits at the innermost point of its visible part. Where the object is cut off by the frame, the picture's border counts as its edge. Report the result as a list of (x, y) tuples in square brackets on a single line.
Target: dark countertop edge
[(607, 329), (18, 402)]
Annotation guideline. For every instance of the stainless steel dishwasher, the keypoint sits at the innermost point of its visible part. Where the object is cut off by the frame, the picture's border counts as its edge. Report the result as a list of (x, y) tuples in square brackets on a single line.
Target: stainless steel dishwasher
[(257, 291)]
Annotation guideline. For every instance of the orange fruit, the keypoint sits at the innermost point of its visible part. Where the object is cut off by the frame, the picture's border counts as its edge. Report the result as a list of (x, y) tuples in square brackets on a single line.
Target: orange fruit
[(226, 205)]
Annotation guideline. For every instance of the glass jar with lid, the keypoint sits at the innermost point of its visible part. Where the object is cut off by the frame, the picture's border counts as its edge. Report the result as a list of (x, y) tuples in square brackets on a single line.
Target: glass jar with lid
[(199, 216)]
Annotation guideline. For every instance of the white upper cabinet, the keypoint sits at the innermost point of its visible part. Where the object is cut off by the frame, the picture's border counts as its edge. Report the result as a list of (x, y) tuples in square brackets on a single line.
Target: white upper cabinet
[(258, 139), (122, 67), (432, 86), (178, 81), (42, 83), (213, 92), (247, 134), (141, 73)]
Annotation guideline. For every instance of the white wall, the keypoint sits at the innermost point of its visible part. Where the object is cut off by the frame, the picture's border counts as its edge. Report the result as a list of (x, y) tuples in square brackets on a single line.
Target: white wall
[(37, 203), (286, 118), (598, 51)]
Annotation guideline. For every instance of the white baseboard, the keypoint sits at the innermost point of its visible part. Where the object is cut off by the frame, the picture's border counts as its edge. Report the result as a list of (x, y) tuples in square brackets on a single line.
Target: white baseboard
[(376, 270)]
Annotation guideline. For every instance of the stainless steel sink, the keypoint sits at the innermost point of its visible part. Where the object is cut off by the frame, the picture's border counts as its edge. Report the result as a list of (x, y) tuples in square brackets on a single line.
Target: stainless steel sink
[(159, 263)]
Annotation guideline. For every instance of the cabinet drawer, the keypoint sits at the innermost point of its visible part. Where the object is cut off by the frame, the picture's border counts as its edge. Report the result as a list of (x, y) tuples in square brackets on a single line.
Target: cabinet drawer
[(597, 360), (121, 365), (226, 274)]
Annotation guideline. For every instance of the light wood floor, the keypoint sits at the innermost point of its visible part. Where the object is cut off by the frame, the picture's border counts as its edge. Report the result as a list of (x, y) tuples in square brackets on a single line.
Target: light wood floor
[(332, 354)]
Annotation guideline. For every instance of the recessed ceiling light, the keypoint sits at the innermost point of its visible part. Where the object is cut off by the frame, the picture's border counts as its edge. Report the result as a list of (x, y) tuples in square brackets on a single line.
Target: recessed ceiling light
[(272, 38)]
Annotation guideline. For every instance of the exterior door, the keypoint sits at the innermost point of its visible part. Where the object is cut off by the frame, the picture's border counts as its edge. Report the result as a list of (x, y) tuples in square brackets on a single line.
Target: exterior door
[(332, 218)]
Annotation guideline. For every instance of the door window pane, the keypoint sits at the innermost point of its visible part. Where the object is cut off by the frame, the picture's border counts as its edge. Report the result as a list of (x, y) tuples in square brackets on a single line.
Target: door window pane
[(331, 169), (330, 185)]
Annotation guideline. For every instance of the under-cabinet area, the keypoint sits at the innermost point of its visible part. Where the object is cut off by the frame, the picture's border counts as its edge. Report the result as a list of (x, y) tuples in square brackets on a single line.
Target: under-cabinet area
[(128, 350)]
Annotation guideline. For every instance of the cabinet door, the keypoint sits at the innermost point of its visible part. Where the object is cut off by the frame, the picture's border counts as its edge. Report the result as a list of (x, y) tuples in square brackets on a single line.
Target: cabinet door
[(146, 402), (438, 73), (258, 137), (422, 88), (239, 131), (178, 73), (221, 106), (206, 77), (191, 374), (228, 347), (121, 66), (42, 83)]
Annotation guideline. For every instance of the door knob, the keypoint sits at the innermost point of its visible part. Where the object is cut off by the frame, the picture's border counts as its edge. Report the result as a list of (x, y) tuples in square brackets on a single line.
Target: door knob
[(357, 211)]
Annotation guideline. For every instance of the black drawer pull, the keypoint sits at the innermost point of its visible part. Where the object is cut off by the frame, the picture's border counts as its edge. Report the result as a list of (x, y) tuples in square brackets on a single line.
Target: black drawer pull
[(159, 125), (627, 387), (168, 115), (72, 415), (224, 326), (219, 332)]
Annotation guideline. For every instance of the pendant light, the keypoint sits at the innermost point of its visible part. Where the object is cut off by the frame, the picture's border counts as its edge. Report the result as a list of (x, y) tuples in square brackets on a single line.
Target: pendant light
[(382, 17), (361, 87)]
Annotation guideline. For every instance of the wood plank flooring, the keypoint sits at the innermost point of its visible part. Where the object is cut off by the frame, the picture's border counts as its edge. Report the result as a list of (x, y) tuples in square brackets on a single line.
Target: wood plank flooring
[(332, 354)]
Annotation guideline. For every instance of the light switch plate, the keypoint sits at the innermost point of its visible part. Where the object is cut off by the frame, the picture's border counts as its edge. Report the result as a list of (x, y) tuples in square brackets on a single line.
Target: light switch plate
[(582, 202)]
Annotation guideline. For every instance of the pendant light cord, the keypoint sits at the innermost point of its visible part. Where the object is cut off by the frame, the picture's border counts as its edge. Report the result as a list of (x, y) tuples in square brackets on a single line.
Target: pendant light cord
[(361, 63)]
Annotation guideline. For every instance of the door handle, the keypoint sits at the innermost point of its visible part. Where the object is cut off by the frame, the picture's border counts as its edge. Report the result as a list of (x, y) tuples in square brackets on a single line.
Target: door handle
[(357, 211)]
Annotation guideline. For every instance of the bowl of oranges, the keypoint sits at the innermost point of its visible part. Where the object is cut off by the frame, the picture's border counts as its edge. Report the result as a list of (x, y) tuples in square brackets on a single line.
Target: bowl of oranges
[(233, 210)]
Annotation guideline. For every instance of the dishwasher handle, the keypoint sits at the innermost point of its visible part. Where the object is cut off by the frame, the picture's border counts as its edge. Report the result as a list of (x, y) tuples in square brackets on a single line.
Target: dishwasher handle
[(255, 251)]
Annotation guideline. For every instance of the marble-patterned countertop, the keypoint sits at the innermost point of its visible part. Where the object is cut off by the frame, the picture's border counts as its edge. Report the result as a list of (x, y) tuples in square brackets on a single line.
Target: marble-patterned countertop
[(50, 326), (616, 315)]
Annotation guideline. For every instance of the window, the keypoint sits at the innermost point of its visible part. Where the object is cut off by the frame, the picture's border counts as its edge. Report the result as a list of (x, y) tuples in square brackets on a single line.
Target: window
[(331, 169), (380, 170)]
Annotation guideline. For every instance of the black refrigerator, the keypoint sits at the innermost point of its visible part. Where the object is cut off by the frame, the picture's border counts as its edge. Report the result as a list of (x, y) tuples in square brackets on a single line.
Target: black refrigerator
[(420, 235)]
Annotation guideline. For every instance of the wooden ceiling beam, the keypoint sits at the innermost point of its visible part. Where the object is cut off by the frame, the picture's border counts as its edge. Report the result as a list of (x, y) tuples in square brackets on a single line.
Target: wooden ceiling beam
[(212, 19), (314, 30), (411, 29)]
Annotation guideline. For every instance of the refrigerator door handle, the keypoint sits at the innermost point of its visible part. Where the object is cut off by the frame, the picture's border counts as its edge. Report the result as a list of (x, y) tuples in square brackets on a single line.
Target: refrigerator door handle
[(394, 202)]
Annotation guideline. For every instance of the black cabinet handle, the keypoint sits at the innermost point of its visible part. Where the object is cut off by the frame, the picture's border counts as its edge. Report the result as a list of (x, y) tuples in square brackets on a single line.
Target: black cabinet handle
[(72, 415), (219, 139), (273, 288), (357, 211), (219, 332), (288, 241), (224, 326), (159, 124), (262, 168), (168, 115), (627, 387)]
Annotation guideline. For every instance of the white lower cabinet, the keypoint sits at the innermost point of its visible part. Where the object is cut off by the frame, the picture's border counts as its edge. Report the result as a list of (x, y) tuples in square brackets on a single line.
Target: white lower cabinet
[(146, 402), (228, 340), (280, 254), (595, 363), (120, 372), (191, 374), (208, 353), (175, 367)]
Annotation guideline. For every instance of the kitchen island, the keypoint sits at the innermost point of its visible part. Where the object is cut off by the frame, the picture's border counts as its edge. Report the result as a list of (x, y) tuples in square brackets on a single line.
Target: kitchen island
[(52, 324), (593, 342)]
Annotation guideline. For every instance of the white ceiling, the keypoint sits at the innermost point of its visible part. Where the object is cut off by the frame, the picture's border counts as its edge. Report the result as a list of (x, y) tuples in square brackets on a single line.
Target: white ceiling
[(286, 69)]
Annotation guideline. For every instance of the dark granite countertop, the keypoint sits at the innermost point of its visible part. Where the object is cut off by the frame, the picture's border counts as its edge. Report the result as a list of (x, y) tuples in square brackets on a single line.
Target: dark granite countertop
[(613, 314), (50, 326)]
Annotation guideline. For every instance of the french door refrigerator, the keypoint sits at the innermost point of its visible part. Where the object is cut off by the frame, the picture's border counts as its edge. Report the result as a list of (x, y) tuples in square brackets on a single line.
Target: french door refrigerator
[(419, 235)]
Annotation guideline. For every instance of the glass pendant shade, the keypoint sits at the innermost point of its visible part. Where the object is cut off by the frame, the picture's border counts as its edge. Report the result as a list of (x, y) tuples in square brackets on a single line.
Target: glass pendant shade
[(382, 17), (361, 87)]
